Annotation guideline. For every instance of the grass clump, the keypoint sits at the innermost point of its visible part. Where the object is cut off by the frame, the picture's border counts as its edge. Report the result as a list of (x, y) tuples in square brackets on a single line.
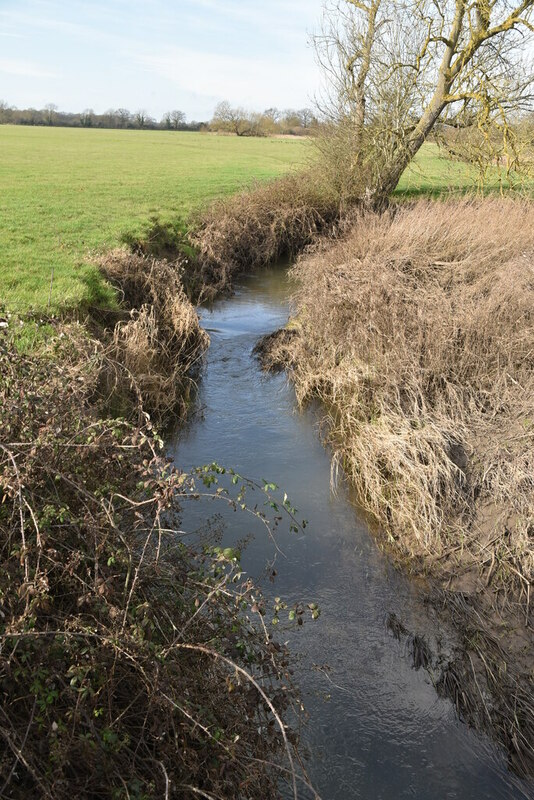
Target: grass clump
[(130, 664), (257, 227), (160, 343), (417, 331)]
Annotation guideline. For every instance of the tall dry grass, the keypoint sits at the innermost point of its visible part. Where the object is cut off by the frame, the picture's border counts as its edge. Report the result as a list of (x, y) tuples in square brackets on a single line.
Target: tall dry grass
[(417, 332), (162, 343), (256, 227)]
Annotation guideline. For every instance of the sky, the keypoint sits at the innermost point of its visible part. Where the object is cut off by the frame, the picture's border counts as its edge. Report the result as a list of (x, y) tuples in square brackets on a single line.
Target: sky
[(158, 55)]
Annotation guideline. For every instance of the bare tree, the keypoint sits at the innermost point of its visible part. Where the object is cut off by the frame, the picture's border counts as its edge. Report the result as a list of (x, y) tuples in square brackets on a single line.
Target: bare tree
[(5, 111), (396, 67), (141, 118), (124, 117), (173, 120), (50, 113), (109, 118), (233, 120), (177, 119), (87, 117), (307, 117)]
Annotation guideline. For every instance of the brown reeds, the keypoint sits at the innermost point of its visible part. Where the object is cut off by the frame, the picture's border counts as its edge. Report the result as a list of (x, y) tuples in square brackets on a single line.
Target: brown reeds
[(256, 227), (417, 331), (160, 346)]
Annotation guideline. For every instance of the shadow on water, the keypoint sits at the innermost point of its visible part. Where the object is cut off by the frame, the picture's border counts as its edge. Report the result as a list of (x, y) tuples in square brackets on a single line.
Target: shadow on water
[(377, 728)]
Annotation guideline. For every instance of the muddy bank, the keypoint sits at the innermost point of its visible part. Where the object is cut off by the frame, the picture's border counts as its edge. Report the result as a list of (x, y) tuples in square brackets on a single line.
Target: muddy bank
[(416, 333)]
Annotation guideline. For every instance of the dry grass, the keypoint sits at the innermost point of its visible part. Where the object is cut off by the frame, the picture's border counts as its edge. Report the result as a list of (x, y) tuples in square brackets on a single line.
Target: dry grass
[(134, 658), (417, 332), (259, 226), (162, 343)]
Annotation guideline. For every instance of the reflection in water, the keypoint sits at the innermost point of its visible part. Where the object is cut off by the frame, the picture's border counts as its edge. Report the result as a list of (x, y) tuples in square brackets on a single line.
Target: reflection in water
[(377, 728)]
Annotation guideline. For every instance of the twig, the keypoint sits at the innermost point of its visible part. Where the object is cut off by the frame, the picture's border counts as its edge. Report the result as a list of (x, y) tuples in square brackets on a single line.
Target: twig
[(266, 700)]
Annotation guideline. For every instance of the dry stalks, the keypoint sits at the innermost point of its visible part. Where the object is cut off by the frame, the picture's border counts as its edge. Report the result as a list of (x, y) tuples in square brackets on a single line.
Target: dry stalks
[(416, 331), (132, 665), (259, 226), (162, 343)]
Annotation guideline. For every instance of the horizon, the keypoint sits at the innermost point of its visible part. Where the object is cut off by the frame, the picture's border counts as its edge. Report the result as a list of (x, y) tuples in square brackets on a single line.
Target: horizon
[(157, 56)]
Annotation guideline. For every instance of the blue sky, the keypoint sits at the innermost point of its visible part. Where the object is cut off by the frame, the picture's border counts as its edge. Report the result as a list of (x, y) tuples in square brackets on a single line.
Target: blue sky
[(158, 54)]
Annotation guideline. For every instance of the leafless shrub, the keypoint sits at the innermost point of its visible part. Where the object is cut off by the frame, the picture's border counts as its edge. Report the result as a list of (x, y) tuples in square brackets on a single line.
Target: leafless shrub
[(132, 664)]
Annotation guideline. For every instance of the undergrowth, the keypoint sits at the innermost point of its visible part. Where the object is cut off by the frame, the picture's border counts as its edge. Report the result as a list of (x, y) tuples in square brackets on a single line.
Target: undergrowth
[(417, 332), (132, 664), (257, 227), (159, 345)]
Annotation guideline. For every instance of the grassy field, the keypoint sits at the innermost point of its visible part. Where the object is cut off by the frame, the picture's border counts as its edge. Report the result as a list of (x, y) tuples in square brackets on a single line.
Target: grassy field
[(65, 192), (433, 174)]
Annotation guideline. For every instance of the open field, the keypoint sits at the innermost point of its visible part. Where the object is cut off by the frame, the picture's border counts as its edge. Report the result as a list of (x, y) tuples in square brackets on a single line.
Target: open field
[(68, 191), (433, 174)]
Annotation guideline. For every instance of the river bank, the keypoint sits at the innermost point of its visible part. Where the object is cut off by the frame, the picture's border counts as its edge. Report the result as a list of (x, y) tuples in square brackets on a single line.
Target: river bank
[(131, 664), (147, 358), (415, 331), (369, 667)]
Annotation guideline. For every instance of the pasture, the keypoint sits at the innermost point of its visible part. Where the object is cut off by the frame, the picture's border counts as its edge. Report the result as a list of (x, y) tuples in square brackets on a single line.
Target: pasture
[(66, 192)]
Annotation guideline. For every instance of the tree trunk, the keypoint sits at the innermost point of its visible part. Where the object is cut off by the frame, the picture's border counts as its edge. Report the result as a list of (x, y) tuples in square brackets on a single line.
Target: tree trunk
[(391, 175)]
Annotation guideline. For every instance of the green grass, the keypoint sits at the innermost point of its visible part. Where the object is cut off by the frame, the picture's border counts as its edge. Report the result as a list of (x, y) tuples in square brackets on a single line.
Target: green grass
[(65, 192), (433, 174)]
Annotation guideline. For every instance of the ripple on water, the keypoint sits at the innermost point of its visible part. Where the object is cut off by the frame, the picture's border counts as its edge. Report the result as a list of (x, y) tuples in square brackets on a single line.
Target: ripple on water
[(377, 728)]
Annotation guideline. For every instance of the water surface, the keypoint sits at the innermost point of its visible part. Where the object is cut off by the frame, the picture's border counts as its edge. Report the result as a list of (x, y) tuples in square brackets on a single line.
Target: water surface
[(377, 728)]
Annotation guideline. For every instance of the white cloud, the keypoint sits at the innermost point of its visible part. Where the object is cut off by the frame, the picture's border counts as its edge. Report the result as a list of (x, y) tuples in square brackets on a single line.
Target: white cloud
[(162, 54)]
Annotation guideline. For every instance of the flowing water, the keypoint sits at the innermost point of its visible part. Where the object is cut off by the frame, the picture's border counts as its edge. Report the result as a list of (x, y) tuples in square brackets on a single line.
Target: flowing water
[(377, 728)]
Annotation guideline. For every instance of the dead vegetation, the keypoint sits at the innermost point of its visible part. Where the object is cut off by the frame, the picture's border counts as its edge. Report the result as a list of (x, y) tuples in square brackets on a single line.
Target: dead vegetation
[(259, 226), (160, 346), (134, 662), (416, 331)]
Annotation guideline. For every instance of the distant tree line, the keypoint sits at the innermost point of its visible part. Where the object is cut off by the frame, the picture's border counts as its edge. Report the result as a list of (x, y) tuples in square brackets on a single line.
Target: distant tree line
[(113, 118), (230, 119), (226, 119)]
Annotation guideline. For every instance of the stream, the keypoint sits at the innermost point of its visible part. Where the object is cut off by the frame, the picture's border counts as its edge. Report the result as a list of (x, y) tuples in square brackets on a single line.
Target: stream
[(377, 728)]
